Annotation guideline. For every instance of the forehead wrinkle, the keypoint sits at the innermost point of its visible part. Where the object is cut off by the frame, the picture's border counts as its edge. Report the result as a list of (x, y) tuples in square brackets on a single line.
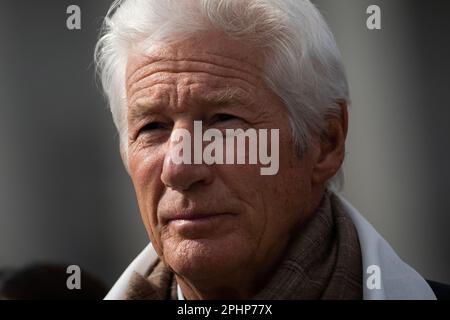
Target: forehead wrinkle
[(141, 103), (161, 78), (147, 68), (209, 58), (249, 64), (149, 90), (148, 82)]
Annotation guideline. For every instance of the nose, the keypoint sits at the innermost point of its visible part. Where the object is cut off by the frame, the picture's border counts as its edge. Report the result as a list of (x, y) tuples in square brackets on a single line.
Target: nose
[(182, 176)]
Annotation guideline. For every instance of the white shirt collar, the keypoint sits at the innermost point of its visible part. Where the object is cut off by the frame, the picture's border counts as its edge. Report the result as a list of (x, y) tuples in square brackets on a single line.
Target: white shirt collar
[(398, 280), (180, 293)]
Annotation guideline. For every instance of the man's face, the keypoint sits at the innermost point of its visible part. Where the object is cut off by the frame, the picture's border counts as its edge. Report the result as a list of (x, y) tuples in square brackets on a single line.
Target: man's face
[(211, 221)]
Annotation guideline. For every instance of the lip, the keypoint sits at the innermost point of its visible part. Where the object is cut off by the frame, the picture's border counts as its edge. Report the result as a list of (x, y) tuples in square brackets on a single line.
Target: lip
[(193, 216), (194, 225)]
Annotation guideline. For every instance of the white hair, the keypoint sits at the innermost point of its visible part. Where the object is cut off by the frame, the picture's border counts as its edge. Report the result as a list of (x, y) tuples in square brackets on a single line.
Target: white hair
[(303, 65)]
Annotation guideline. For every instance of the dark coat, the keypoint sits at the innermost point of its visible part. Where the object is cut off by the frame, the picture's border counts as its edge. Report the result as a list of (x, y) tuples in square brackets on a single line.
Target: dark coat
[(441, 290)]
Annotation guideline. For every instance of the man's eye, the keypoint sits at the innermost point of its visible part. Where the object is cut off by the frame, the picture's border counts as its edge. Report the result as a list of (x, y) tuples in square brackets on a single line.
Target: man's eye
[(223, 117), (153, 126)]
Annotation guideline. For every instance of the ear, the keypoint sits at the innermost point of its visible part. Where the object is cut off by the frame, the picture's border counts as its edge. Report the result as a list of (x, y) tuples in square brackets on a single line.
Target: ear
[(331, 145)]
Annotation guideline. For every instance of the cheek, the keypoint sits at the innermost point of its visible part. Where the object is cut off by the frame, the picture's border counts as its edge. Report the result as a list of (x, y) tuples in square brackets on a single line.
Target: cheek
[(285, 194), (245, 183), (290, 189), (145, 173), (268, 197)]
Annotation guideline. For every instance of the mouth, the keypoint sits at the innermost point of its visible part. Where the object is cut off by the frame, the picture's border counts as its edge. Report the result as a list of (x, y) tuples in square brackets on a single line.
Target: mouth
[(196, 217), (194, 224)]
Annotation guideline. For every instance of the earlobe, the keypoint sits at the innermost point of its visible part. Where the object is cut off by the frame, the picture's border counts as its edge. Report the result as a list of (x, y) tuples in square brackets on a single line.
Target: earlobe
[(331, 149)]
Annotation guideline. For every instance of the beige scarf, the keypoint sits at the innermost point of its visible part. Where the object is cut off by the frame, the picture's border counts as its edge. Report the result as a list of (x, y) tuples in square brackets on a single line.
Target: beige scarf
[(322, 262)]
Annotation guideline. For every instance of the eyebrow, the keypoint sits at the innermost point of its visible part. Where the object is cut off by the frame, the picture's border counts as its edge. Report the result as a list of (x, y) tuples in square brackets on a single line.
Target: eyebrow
[(145, 107), (224, 98)]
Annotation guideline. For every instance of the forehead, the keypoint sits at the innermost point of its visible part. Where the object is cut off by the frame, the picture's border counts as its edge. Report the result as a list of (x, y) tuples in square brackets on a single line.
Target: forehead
[(203, 53)]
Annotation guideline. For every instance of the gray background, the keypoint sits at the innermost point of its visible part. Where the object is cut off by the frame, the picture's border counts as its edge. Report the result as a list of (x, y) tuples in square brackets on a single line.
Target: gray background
[(65, 197)]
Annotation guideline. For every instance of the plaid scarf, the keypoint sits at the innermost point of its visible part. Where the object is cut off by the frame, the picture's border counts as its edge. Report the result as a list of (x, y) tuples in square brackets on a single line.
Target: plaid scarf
[(323, 261)]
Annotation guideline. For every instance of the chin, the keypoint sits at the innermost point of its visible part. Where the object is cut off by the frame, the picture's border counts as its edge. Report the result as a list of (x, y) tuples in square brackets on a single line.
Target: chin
[(205, 258)]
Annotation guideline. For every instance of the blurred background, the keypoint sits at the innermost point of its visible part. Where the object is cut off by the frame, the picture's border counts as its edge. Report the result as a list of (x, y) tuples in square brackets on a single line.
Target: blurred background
[(65, 197)]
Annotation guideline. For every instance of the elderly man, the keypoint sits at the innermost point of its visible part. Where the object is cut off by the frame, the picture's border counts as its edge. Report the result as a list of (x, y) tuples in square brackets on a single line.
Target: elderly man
[(226, 230)]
